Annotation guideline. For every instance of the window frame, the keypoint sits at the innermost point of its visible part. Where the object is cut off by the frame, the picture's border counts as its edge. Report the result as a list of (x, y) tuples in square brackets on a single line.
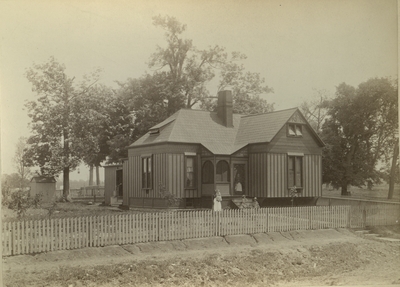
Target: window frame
[(147, 175), (194, 172), (228, 180), (295, 126), (210, 172), (294, 176)]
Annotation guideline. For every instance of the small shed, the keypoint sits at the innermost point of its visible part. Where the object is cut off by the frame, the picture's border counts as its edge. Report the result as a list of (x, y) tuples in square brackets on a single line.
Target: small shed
[(113, 187), (44, 185)]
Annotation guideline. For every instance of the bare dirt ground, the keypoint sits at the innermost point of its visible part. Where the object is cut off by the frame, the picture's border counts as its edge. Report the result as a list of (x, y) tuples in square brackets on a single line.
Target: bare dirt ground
[(298, 258)]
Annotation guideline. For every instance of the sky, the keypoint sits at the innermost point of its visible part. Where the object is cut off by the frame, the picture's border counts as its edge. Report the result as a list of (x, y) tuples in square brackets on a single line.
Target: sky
[(299, 47)]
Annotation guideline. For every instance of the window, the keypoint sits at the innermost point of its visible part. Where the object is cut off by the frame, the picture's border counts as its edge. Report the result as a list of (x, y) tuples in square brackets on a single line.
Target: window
[(147, 178), (190, 180), (295, 130), (295, 171), (222, 174), (207, 173)]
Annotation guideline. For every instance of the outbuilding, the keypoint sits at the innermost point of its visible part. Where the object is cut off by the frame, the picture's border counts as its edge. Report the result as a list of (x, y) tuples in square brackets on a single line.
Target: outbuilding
[(194, 153), (44, 185), (113, 183)]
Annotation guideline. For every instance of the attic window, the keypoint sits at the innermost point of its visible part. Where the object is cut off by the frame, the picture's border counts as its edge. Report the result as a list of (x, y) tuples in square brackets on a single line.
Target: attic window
[(154, 131), (295, 130)]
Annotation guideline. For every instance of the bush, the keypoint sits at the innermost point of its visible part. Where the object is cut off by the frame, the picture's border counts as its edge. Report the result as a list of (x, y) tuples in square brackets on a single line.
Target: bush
[(20, 201)]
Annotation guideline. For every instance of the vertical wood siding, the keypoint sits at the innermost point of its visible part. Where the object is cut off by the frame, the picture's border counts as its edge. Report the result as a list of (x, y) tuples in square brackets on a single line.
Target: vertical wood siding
[(159, 173), (257, 174), (125, 182), (168, 169), (134, 177), (176, 166), (312, 180), (276, 175), (268, 175)]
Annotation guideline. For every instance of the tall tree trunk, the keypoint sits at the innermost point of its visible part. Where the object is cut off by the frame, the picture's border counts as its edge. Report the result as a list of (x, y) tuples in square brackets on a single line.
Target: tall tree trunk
[(91, 175), (97, 175), (393, 170), (344, 189)]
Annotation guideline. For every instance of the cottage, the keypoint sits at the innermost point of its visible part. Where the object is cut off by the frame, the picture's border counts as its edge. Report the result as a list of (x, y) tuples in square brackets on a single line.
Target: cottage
[(193, 153)]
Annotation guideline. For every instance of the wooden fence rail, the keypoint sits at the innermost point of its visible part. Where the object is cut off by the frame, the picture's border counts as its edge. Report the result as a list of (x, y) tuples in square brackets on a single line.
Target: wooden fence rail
[(33, 236)]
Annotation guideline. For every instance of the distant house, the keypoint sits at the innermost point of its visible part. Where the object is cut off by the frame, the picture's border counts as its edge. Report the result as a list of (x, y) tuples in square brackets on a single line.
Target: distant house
[(44, 185), (193, 153)]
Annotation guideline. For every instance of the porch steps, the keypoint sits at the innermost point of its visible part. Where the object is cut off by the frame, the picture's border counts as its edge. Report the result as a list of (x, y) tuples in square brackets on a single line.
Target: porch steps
[(244, 202)]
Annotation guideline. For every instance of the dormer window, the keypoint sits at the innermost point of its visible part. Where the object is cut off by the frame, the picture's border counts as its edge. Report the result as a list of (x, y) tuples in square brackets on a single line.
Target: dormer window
[(154, 131), (295, 130)]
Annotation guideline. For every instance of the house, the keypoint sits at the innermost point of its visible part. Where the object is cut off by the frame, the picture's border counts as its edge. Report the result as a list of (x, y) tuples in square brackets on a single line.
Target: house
[(193, 153), (44, 185)]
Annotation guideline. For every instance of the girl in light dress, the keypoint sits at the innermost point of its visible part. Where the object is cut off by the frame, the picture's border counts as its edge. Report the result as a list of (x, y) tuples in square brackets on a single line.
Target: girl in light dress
[(217, 201)]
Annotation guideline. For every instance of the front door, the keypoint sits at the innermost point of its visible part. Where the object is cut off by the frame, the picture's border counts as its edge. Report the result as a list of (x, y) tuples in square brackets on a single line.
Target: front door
[(239, 178)]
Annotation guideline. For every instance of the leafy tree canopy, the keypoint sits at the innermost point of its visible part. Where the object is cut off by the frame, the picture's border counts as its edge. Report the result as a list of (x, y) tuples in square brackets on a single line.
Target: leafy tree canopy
[(181, 74), (360, 128), (56, 144)]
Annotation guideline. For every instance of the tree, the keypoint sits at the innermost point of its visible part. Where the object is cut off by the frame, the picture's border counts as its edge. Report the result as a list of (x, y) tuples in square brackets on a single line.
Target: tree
[(23, 170), (184, 72), (360, 127), (92, 126), (315, 111), (394, 170), (180, 76), (54, 145)]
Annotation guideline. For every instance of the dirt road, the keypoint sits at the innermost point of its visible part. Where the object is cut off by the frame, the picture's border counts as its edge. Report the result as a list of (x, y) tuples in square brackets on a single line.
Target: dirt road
[(299, 258)]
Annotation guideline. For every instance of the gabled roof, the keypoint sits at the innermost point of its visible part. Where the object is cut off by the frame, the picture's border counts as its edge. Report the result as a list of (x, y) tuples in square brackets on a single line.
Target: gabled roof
[(207, 129), (262, 127)]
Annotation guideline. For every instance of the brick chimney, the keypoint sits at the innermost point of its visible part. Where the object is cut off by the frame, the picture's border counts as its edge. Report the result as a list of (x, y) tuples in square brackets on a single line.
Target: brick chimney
[(224, 108)]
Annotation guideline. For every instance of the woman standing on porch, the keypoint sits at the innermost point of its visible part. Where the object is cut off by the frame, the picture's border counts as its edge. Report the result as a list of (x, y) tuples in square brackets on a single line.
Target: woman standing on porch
[(217, 201)]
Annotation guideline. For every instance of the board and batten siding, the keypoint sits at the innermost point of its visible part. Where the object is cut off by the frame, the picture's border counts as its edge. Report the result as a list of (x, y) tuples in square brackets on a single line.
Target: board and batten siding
[(268, 175), (312, 175), (125, 182), (306, 144), (168, 170), (257, 174)]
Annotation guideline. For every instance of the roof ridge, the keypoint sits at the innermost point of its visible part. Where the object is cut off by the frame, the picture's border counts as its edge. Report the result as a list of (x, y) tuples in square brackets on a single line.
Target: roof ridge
[(268, 113)]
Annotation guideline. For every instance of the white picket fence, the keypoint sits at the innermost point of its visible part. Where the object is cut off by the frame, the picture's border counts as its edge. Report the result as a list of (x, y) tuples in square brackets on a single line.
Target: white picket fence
[(34, 236)]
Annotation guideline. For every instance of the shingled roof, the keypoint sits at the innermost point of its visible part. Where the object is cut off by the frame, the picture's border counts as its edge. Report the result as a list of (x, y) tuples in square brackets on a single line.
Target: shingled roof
[(207, 129)]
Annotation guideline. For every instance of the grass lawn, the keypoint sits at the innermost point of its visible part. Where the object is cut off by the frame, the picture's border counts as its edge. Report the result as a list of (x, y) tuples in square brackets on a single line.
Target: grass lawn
[(378, 192), (70, 209), (82, 208)]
